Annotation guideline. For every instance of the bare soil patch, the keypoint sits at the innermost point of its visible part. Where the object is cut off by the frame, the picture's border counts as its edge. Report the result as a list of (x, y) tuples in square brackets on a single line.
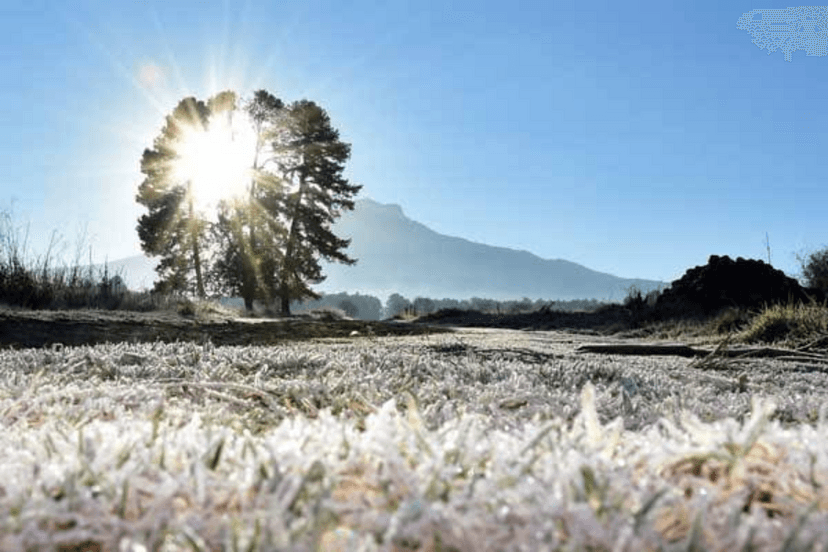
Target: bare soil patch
[(606, 320), (22, 328)]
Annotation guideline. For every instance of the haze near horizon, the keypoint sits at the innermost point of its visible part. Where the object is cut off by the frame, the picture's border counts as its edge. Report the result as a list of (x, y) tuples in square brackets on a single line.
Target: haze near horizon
[(635, 142)]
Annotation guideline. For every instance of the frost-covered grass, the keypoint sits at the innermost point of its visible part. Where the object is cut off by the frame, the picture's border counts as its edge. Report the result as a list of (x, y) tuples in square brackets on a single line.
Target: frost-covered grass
[(477, 441)]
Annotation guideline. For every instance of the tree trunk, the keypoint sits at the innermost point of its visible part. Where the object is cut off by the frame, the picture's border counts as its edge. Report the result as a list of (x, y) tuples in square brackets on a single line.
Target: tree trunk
[(285, 310), (287, 266), (248, 261), (248, 281), (199, 281), (287, 269), (194, 237)]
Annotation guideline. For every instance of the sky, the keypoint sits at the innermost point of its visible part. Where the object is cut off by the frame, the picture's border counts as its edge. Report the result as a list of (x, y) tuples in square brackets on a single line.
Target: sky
[(634, 141)]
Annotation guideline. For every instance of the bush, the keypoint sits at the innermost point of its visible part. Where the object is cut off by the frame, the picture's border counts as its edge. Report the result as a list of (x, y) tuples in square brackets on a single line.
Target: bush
[(732, 319), (19, 287), (349, 308), (815, 270), (635, 301)]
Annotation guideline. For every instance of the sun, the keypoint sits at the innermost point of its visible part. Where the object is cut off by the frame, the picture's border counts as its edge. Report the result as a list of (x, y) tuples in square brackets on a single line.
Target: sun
[(216, 162)]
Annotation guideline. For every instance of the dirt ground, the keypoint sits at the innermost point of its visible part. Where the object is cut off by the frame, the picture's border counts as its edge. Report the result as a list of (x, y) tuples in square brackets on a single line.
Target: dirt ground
[(19, 328)]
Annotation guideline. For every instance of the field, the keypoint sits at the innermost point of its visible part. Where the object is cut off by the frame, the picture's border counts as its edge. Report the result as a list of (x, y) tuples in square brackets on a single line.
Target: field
[(473, 439), (137, 422)]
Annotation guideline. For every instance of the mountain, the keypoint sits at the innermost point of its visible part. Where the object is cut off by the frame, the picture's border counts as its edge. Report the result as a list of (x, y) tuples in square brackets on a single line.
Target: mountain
[(398, 255)]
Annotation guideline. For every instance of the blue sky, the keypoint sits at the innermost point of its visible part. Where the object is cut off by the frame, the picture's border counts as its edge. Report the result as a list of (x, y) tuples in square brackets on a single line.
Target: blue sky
[(633, 141)]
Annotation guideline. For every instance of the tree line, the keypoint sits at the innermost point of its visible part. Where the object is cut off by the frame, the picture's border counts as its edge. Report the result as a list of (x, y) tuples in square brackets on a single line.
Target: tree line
[(368, 307)]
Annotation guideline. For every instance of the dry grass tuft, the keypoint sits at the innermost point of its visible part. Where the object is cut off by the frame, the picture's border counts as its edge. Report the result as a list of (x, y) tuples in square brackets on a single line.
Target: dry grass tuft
[(791, 323)]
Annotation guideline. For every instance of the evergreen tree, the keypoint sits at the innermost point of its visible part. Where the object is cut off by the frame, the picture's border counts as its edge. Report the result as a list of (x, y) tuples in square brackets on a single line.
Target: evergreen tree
[(311, 159), (171, 229), (250, 231)]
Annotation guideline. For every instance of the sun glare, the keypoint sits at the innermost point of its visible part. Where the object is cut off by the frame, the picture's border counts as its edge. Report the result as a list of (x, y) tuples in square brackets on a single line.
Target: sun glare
[(217, 162)]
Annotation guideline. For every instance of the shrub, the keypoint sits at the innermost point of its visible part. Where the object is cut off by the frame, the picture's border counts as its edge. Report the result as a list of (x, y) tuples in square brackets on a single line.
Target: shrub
[(635, 301), (815, 270), (349, 308), (731, 319), (19, 287)]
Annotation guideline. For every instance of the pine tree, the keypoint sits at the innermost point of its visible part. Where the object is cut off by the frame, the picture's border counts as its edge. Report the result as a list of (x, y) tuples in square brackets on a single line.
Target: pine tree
[(250, 231), (171, 229), (311, 159)]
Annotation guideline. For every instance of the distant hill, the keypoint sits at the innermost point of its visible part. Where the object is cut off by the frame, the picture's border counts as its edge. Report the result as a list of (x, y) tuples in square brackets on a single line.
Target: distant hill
[(398, 255)]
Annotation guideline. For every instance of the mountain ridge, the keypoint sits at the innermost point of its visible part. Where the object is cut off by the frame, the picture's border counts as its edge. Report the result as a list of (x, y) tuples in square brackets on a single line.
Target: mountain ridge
[(396, 254)]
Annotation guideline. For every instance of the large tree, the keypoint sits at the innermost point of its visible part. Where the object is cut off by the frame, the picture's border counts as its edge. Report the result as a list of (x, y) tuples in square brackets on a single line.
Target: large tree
[(250, 228), (203, 160), (310, 159), (266, 242), (172, 229)]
